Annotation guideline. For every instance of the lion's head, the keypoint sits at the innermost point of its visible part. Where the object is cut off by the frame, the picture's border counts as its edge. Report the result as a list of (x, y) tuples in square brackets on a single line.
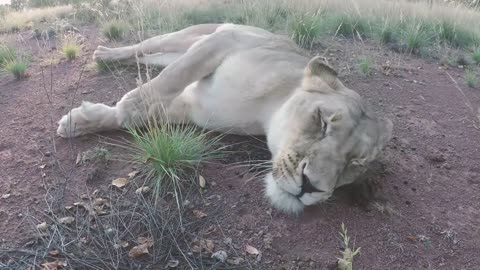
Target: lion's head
[(321, 138)]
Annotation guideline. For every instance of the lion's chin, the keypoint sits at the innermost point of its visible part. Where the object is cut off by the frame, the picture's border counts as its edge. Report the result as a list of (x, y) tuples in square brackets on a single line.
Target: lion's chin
[(281, 199)]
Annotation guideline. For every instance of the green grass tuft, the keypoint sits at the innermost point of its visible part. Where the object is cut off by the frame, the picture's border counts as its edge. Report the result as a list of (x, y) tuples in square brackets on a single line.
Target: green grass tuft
[(201, 16), (71, 51), (17, 67), (454, 35), (365, 65), (70, 48), (172, 153), (102, 66), (305, 30), (386, 35), (12, 63), (114, 30), (348, 25), (476, 55), (7, 54), (471, 78), (415, 36)]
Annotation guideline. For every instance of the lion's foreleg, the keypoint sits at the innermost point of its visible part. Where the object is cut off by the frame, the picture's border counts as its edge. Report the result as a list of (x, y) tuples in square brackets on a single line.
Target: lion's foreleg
[(154, 97)]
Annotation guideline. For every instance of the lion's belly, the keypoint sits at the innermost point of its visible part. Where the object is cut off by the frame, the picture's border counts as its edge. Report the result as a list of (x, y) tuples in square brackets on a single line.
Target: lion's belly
[(245, 91), (211, 109)]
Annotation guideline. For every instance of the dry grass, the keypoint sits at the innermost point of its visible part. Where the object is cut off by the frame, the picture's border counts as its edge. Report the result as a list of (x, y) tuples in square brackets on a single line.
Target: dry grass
[(109, 229), (348, 253), (414, 25), (26, 19), (114, 30)]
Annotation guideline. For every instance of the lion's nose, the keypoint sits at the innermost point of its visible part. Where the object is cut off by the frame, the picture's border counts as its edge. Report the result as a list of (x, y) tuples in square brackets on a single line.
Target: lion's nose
[(307, 186)]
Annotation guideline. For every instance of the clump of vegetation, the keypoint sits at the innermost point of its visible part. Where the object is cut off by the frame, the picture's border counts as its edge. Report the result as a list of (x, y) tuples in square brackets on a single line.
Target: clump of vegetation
[(386, 32), (12, 63), (476, 55), (26, 19), (348, 253), (471, 78), (114, 30), (102, 66), (415, 37), (95, 154), (71, 48), (172, 152), (365, 65), (7, 54), (17, 67), (454, 35), (349, 25), (305, 30)]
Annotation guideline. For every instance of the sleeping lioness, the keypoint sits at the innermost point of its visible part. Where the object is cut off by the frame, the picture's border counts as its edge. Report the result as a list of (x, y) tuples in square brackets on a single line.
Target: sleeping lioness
[(246, 80)]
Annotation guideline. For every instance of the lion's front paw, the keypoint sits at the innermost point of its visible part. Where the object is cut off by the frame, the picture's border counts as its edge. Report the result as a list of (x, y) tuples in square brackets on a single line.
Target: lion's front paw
[(88, 118), (70, 126)]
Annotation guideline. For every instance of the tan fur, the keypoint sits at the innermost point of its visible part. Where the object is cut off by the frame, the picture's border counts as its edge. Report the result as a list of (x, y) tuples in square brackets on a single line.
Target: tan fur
[(246, 80)]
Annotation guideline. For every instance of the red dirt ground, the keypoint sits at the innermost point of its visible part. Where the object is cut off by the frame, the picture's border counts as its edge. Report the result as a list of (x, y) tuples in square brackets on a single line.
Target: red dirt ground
[(429, 171)]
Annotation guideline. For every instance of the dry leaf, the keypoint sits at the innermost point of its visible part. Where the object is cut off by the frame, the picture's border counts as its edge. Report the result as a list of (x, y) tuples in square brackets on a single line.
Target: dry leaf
[(197, 245), (55, 265), (199, 214), (145, 240), (79, 159), (6, 196), (138, 251), (42, 226), (412, 238), (209, 246), (86, 206), (42, 166), (66, 220), (133, 174), (120, 182), (251, 250), (210, 230), (99, 201), (142, 190), (235, 261), (54, 252), (68, 207), (202, 246), (202, 182), (172, 264)]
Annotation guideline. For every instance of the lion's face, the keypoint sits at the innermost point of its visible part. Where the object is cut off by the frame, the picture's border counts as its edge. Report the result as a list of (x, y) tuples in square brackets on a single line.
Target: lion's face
[(321, 139)]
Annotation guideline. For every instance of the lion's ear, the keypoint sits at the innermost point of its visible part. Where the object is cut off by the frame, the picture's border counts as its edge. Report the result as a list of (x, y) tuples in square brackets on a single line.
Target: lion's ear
[(318, 67)]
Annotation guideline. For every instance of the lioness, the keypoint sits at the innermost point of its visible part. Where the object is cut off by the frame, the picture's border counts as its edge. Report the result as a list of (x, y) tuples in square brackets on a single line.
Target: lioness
[(246, 80)]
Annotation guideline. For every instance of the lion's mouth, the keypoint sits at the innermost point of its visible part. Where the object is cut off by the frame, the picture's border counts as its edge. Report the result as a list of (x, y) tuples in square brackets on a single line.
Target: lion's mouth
[(307, 186)]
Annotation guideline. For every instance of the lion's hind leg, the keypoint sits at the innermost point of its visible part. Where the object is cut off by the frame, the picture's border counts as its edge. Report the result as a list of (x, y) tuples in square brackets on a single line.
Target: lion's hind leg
[(114, 54), (172, 43)]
